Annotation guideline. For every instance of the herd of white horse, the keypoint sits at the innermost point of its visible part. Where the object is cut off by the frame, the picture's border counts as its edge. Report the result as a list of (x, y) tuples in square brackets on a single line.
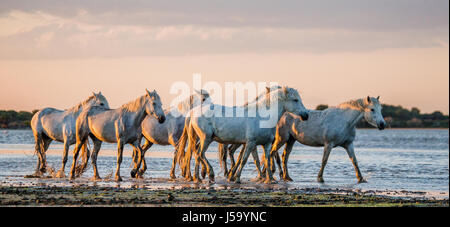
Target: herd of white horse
[(190, 128)]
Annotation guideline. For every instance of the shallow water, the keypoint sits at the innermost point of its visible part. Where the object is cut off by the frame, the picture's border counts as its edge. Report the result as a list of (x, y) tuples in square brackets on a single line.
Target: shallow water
[(391, 160)]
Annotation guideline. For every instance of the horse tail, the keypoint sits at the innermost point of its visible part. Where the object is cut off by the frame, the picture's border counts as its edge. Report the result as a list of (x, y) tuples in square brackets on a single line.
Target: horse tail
[(181, 145), (192, 148), (82, 167), (39, 135)]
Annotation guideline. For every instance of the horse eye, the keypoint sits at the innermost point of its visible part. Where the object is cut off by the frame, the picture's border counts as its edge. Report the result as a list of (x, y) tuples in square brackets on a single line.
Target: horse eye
[(373, 110), (295, 100), (102, 104)]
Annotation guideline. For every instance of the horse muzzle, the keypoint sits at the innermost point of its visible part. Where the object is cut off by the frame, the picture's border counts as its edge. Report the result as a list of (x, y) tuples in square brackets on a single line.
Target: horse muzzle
[(304, 116), (381, 126), (162, 119)]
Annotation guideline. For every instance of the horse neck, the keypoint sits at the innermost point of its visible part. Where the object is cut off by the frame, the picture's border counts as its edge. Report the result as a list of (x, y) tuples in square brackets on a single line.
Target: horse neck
[(354, 111), (136, 109), (262, 102), (354, 117)]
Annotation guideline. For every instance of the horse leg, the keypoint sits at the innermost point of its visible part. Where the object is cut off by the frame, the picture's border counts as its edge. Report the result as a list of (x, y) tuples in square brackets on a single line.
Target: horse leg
[(351, 153), (135, 173), (223, 151), (46, 144), (268, 164), (257, 164), (248, 149), (76, 152), (120, 146), (209, 168), (204, 169), (201, 160), (145, 148), (287, 151), (39, 151), (61, 173), (326, 154), (234, 165), (86, 154), (97, 145)]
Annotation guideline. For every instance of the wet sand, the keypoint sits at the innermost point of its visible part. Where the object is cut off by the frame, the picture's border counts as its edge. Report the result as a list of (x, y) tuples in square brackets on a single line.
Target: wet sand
[(192, 197), (178, 193)]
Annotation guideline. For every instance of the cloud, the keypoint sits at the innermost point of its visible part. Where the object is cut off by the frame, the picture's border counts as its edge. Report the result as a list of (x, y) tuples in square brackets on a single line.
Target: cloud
[(342, 14), (114, 29)]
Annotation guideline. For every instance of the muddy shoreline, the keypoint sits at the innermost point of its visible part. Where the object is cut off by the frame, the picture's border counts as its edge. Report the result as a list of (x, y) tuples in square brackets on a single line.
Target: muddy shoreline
[(93, 196)]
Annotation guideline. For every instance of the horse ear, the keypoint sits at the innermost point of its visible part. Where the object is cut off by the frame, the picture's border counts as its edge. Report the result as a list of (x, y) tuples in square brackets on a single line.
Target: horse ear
[(268, 90), (93, 93), (378, 98), (286, 91), (148, 92), (369, 100)]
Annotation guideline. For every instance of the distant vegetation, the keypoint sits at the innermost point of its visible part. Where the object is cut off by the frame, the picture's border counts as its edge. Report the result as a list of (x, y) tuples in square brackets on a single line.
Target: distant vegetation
[(395, 116), (399, 117), (15, 120)]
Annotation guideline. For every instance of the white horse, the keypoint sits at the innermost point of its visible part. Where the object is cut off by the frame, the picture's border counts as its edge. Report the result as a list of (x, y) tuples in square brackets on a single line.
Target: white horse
[(121, 126), (51, 124), (240, 130), (169, 133), (330, 128)]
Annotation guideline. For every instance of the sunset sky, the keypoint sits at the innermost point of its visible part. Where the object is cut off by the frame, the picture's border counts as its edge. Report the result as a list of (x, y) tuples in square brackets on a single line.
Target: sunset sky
[(56, 53)]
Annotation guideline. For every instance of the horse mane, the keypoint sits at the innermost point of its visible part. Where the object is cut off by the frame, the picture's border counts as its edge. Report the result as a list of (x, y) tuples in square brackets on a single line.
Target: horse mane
[(267, 98), (134, 106), (262, 95), (77, 108), (186, 105), (356, 104)]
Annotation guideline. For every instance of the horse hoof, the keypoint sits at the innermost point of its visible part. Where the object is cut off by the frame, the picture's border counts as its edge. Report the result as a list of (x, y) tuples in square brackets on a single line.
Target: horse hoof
[(119, 179), (288, 179), (320, 180), (134, 173), (60, 174), (270, 181), (95, 179), (362, 181), (198, 181), (189, 179)]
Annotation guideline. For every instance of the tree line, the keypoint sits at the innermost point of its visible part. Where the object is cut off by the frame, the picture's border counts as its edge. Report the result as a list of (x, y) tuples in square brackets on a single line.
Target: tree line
[(395, 116)]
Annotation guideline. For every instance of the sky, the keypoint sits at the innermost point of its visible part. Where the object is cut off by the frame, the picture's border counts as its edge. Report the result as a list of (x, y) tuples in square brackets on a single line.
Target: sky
[(56, 53)]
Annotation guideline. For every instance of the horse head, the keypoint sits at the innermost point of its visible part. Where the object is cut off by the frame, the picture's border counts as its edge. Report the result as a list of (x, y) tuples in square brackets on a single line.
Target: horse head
[(292, 102), (98, 100), (154, 106), (372, 112)]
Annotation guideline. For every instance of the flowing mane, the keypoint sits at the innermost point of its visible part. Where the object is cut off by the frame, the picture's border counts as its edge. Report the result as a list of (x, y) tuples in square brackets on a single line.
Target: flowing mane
[(358, 104), (135, 105), (77, 108), (262, 96)]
